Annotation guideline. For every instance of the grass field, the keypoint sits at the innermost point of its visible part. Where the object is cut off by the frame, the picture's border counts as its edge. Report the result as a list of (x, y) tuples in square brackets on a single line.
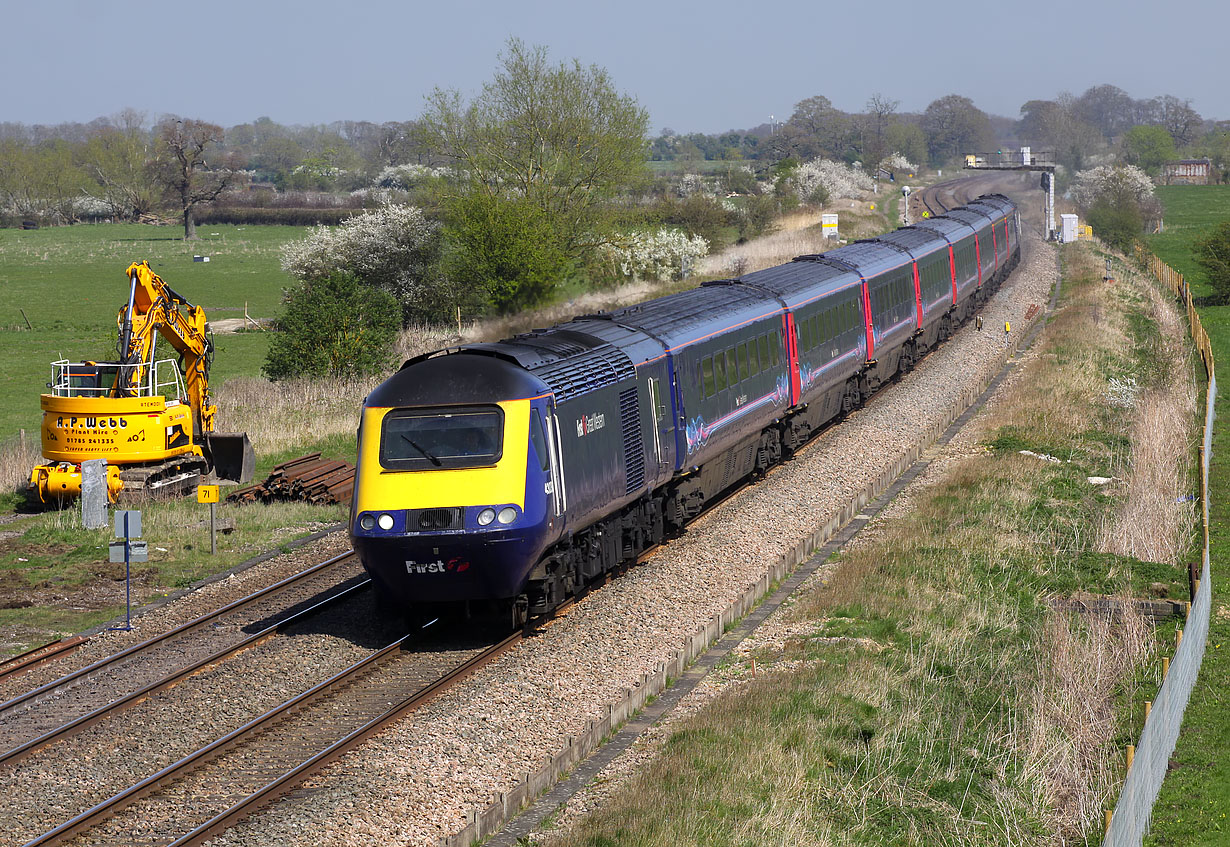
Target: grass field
[(70, 283), (1194, 804)]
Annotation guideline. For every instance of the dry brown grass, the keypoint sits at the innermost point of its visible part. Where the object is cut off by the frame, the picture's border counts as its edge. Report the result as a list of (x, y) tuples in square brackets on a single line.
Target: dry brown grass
[(1068, 740), (764, 252), (17, 458), (287, 415), (1152, 524)]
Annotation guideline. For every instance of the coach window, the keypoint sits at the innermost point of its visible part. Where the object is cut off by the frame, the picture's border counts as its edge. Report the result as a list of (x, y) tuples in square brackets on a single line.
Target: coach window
[(763, 343), (706, 370), (775, 343), (741, 353), (753, 361), (732, 370), (719, 370)]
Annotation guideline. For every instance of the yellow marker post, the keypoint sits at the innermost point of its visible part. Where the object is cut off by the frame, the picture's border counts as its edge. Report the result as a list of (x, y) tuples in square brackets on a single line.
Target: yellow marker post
[(210, 494)]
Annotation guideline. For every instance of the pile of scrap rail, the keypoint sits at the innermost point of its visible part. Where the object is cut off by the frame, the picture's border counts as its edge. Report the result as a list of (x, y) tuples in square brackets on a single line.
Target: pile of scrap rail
[(308, 478)]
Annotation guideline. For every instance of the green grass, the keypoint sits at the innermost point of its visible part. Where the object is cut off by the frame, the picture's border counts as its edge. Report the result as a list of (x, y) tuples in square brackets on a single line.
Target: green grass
[(55, 559), (1194, 803), (70, 283)]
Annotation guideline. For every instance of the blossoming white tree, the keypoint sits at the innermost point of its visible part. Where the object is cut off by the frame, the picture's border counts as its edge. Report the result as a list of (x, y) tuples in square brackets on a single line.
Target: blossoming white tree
[(1111, 181), (660, 255), (392, 248), (821, 180)]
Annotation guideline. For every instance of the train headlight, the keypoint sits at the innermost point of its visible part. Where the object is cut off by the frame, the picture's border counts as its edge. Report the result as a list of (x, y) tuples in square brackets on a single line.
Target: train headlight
[(385, 521), (486, 516), (508, 514), (367, 522)]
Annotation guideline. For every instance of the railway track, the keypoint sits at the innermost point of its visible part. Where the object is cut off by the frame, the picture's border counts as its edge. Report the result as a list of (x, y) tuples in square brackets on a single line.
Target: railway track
[(14, 665), (88, 695), (205, 792)]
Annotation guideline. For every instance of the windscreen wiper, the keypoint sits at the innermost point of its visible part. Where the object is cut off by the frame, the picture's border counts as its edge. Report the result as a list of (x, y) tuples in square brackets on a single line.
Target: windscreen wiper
[(412, 443)]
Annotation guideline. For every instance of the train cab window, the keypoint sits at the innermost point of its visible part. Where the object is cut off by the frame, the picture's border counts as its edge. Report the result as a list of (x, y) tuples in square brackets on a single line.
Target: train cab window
[(732, 368), (539, 439), (438, 438), (764, 352), (741, 355), (719, 370), (706, 370)]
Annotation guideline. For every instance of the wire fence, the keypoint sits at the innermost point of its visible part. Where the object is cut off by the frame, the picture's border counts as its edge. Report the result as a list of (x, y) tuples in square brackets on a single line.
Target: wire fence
[(1129, 821)]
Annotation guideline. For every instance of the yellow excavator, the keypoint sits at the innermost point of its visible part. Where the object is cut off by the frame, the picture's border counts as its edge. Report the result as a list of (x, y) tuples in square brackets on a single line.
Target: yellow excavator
[(151, 419)]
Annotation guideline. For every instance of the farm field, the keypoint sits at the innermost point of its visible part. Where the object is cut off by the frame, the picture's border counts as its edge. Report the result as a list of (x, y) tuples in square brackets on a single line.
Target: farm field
[(70, 283), (1194, 805)]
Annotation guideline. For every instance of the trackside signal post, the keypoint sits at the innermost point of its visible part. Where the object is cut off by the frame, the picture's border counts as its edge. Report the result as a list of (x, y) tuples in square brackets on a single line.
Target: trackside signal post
[(128, 527), (1023, 160)]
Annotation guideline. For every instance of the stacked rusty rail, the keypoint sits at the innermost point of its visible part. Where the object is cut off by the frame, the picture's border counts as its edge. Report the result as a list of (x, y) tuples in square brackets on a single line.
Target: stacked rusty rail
[(308, 478)]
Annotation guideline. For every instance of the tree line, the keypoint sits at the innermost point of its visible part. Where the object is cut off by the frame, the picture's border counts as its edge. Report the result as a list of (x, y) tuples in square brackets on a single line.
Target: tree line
[(491, 203)]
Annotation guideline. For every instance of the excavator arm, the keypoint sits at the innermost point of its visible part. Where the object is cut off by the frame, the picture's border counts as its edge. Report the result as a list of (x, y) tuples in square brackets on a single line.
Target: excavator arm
[(155, 310)]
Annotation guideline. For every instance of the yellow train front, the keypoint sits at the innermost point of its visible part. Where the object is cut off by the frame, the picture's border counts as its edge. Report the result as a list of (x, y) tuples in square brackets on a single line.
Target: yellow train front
[(452, 498)]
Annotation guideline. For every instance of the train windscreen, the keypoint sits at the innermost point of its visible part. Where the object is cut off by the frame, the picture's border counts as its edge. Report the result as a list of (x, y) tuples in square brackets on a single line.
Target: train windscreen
[(431, 439)]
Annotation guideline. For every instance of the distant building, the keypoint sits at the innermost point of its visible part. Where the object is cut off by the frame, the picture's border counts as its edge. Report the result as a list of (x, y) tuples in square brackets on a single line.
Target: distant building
[(1188, 172)]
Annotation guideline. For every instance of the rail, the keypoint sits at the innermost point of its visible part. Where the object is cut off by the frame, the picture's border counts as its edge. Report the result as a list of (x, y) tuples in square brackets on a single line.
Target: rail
[(1129, 821), (107, 710), (291, 777), (35, 656), (162, 638)]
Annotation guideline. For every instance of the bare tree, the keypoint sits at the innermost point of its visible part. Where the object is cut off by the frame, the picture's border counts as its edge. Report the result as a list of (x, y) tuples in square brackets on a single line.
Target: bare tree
[(1179, 118), (181, 168), (118, 158), (880, 111)]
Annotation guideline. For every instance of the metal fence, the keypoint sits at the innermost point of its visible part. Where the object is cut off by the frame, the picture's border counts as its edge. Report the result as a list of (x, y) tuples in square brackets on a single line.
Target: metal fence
[(1130, 820)]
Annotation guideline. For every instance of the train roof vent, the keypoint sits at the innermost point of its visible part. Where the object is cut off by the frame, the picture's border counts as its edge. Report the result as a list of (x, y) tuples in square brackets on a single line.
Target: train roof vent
[(561, 342), (590, 371)]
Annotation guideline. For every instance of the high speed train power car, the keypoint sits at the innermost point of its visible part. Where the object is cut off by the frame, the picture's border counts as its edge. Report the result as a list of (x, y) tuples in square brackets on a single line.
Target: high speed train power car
[(515, 474)]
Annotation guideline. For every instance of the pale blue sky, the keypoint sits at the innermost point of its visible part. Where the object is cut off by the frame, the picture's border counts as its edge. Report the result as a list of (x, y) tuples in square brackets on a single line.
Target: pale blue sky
[(696, 66)]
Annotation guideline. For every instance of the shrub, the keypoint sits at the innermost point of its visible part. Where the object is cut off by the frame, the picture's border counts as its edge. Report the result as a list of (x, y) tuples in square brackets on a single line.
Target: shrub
[(1117, 224), (697, 215), (1213, 254), (1117, 183), (660, 255), (821, 180), (335, 327), (393, 248), (502, 251), (756, 216)]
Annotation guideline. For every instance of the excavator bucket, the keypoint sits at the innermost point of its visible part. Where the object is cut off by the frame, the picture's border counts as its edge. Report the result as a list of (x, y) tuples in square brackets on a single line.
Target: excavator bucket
[(231, 455)]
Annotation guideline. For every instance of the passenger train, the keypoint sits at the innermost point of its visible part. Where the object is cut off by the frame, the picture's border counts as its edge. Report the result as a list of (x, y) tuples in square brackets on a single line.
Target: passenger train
[(513, 475)]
